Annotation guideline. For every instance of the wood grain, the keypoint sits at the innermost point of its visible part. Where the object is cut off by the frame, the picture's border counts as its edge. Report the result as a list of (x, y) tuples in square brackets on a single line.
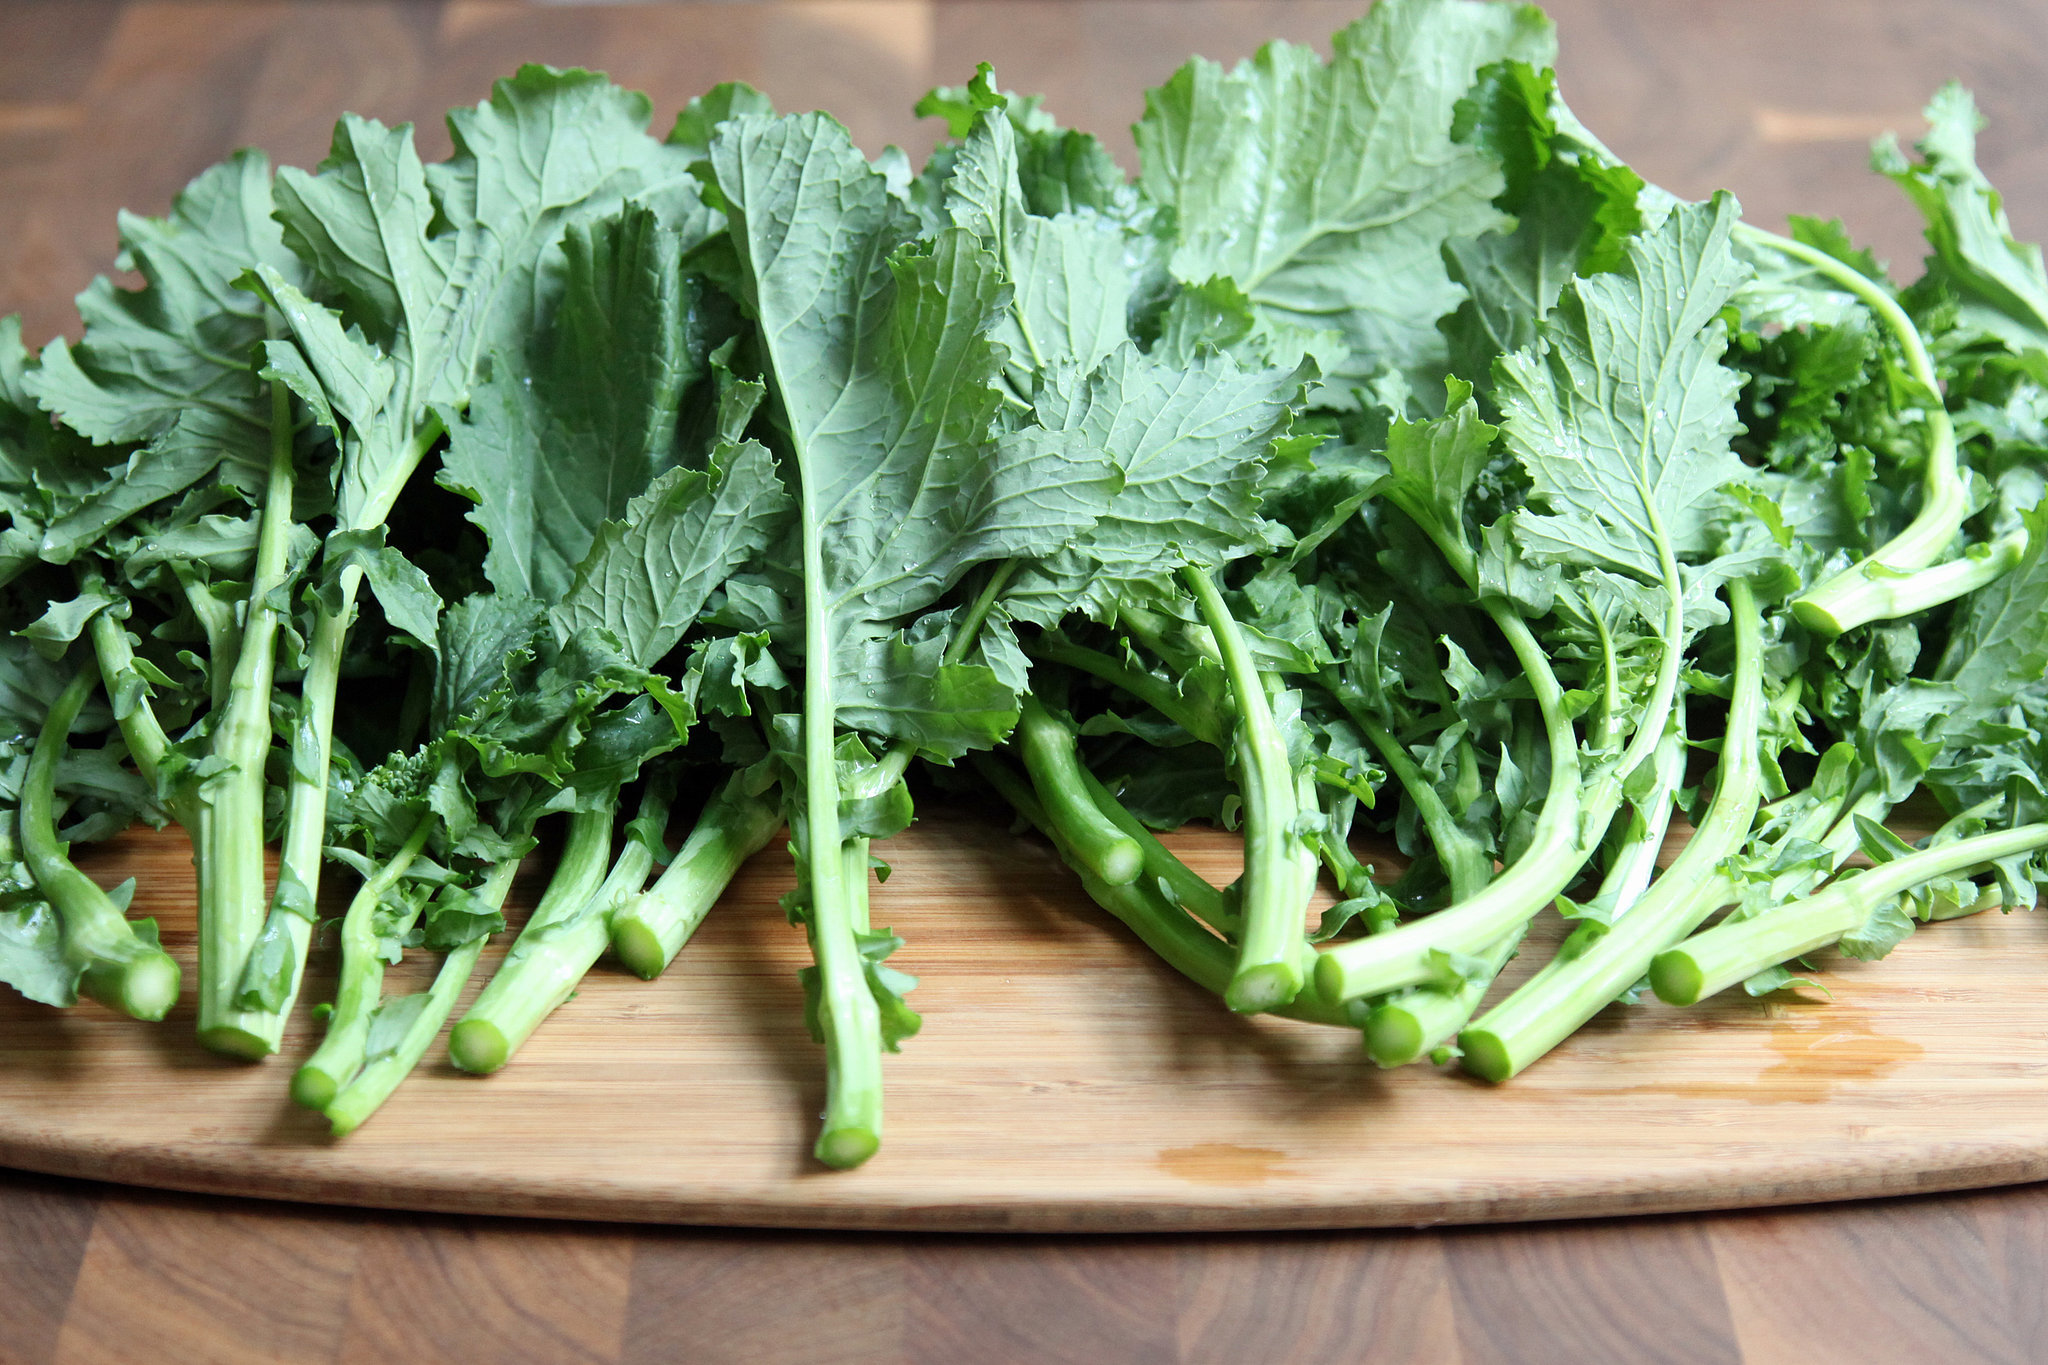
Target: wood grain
[(43, 1232), (742, 1297), (1065, 1079), (1852, 1287), (497, 1290), (1348, 1301), (161, 1280), (1919, 1279), (1537, 1296)]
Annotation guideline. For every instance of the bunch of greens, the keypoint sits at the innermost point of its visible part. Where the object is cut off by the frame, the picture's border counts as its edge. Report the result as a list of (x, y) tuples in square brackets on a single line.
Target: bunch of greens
[(1386, 460)]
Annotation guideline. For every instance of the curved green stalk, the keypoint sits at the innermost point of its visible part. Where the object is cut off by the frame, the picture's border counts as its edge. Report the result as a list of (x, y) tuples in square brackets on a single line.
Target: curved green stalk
[(340, 1054), (127, 691), (1163, 926), (1187, 887), (1870, 590), (1577, 983), (1418, 1021), (652, 927), (382, 1072), (1047, 747), (217, 621), (1634, 863), (1414, 1021), (563, 937), (1156, 692), (1273, 895), (1730, 953), (1883, 594), (276, 969), (1557, 849), (1465, 861), (120, 968), (229, 838)]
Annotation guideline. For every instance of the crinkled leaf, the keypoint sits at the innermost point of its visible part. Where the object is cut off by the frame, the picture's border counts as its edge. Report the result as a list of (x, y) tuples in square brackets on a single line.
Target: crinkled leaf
[(647, 577), (1622, 413), (572, 426), (1327, 190), (1069, 286), (401, 587), (885, 373), (485, 640), (1574, 208), (904, 690), (1999, 281), (1190, 442), (172, 363)]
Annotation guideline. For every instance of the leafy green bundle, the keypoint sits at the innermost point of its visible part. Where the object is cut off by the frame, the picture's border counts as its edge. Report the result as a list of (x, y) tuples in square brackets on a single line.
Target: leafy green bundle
[(1386, 459)]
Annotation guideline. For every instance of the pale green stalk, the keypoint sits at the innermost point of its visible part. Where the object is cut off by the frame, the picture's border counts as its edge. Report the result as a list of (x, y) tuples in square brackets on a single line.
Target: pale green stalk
[(229, 838), (120, 969), (381, 1075)]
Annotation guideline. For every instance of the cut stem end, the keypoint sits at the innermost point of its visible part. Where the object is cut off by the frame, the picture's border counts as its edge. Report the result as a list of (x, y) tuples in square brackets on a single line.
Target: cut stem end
[(1261, 987), (844, 1148), (478, 1046)]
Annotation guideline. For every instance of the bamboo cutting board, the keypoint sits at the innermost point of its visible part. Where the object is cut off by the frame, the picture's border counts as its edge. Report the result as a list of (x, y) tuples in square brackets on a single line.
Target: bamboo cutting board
[(1066, 1080)]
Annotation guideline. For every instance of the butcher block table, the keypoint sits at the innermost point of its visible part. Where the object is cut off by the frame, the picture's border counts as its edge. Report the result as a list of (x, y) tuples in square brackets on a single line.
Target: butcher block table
[(105, 105)]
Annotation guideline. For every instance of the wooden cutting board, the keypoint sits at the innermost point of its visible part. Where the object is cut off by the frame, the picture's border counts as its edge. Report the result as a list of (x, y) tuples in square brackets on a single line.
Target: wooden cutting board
[(1066, 1080)]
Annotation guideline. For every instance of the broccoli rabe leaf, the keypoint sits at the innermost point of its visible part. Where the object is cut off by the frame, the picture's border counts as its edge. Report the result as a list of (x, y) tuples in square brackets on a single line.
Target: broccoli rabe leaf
[(1998, 281), (1069, 286), (1574, 207), (881, 360), (436, 268), (1328, 190), (1190, 442), (578, 422), (1622, 414), (648, 575), (170, 362)]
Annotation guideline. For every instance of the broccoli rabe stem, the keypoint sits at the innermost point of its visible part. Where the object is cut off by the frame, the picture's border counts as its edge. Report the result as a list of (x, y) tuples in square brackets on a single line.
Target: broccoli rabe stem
[(120, 969), (229, 838), (1414, 1023), (848, 1018), (1353, 877), (1423, 1019), (565, 934), (1466, 863), (263, 998), (380, 1075), (1584, 978), (1727, 954), (1558, 848), (128, 693), (291, 914), (1179, 882), (1883, 594), (1877, 587), (652, 927), (1154, 691), (1411, 1022), (1634, 860), (1047, 747), (1165, 927), (217, 621), (1279, 866), (340, 1054)]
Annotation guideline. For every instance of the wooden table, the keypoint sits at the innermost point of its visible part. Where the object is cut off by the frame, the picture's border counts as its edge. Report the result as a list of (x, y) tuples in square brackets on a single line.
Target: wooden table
[(106, 104)]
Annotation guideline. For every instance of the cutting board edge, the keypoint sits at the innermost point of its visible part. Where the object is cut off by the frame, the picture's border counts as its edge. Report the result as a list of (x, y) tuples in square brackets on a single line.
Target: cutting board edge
[(1924, 1169)]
